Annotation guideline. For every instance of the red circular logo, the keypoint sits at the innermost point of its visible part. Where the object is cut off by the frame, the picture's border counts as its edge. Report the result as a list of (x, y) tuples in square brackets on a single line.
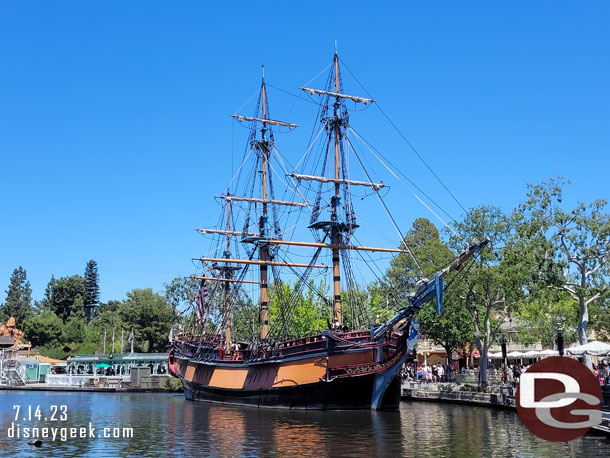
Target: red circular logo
[(559, 399)]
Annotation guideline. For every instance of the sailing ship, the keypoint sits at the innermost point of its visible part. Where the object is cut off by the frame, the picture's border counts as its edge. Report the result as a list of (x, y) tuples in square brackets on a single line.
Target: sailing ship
[(353, 363)]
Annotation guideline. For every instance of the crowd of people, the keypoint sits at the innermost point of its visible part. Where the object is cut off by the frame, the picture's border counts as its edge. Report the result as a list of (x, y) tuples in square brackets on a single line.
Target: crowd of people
[(426, 373), (432, 373)]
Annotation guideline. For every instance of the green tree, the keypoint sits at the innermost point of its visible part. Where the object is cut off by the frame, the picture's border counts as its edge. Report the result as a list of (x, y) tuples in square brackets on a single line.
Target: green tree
[(150, 317), (574, 243), (109, 319), (91, 286), (542, 313), (424, 254), (181, 292), (44, 329), (492, 287), (110, 306), (428, 254), (600, 313), (245, 320), (18, 298), (73, 331), (451, 330), (45, 303), (67, 297), (295, 310)]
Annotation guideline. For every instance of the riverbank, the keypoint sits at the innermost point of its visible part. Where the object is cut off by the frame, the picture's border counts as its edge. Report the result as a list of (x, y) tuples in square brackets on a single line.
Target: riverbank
[(503, 398)]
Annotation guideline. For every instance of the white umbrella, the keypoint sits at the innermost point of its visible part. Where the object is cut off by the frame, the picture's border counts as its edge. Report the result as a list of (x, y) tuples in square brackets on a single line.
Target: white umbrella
[(532, 354), (515, 354), (592, 348), (549, 353), (495, 355)]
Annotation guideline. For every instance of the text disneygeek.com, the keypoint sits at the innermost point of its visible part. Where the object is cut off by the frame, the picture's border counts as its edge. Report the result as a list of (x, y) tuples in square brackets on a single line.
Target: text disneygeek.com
[(20, 428), (63, 433)]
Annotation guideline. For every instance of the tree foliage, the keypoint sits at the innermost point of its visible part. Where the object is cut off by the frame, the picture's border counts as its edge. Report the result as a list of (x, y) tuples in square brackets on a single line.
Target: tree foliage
[(491, 288), (67, 297), (542, 313), (453, 328), (295, 310), (572, 246), (150, 317), (18, 298), (44, 329), (92, 289), (181, 292)]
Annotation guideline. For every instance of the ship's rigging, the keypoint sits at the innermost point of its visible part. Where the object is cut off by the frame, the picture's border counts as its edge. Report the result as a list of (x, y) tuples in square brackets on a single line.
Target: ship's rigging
[(260, 233)]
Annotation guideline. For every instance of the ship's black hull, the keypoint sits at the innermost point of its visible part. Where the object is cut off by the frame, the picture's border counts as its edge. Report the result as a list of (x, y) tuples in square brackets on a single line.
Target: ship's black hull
[(351, 393)]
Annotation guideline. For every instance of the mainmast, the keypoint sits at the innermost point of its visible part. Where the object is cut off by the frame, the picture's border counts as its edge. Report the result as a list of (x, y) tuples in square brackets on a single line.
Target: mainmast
[(335, 234), (336, 227), (263, 147)]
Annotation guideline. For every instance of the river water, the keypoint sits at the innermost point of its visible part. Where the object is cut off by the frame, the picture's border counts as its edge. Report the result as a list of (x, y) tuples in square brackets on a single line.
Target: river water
[(167, 425)]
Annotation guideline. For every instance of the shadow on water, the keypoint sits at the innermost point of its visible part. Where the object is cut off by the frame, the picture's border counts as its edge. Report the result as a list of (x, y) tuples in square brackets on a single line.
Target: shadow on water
[(167, 425)]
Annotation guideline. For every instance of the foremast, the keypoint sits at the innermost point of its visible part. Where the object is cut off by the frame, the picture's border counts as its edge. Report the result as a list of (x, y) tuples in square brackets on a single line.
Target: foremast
[(261, 141)]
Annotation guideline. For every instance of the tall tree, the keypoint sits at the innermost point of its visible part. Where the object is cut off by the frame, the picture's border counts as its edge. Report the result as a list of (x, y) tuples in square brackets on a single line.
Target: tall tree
[(453, 328), (67, 297), (492, 286), (424, 254), (92, 290), (46, 301), (150, 317), (575, 244), (600, 322), (18, 297)]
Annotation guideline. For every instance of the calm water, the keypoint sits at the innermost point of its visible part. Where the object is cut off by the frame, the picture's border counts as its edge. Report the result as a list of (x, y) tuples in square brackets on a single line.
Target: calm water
[(168, 425)]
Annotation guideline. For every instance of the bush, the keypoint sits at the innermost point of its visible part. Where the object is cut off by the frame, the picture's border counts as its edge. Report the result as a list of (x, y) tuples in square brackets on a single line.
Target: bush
[(474, 388), (173, 384)]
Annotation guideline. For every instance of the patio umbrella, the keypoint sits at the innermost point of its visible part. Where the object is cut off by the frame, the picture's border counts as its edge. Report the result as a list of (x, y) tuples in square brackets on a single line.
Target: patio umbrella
[(531, 354), (549, 353), (515, 354)]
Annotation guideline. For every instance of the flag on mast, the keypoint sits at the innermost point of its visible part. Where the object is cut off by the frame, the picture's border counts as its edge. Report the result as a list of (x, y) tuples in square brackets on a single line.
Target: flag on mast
[(201, 301)]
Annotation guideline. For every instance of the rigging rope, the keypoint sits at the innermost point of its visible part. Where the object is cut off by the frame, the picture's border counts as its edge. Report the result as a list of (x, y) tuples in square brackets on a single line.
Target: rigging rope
[(405, 139), (410, 190), (387, 210)]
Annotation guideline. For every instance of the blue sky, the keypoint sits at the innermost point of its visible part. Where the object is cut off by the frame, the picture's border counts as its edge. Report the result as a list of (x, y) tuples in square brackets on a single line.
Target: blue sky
[(115, 127)]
